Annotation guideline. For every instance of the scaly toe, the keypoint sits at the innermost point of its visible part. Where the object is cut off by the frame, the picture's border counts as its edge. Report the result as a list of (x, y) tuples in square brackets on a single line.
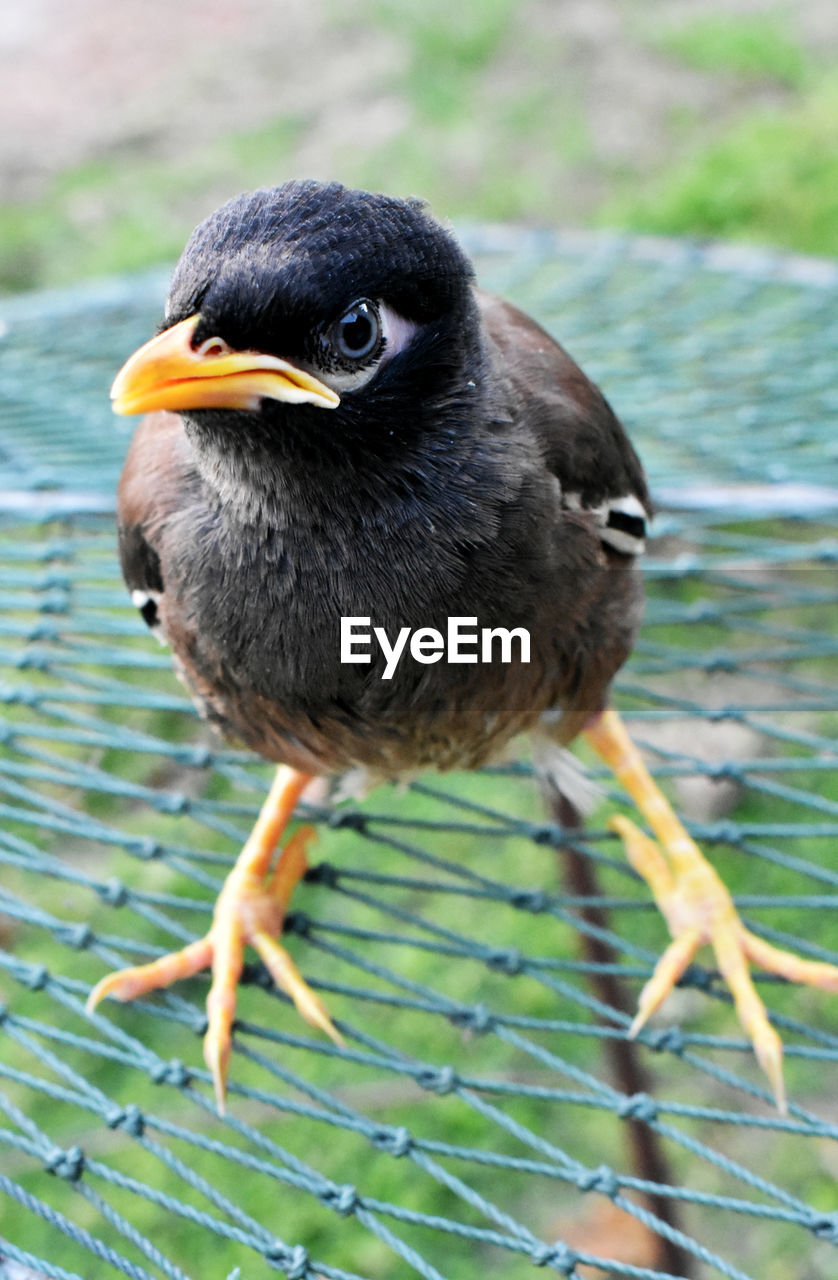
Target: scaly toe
[(139, 980), (668, 970), (768, 1048), (217, 1049), (287, 976)]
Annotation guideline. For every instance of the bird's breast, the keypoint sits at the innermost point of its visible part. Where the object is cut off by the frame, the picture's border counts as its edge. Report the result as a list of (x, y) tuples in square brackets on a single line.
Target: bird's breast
[(257, 616), (318, 644)]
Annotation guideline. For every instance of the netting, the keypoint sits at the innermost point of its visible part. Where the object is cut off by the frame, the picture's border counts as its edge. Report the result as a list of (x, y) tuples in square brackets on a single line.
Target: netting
[(481, 1115)]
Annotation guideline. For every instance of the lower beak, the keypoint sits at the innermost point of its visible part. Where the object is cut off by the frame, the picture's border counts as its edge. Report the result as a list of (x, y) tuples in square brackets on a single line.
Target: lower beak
[(169, 373)]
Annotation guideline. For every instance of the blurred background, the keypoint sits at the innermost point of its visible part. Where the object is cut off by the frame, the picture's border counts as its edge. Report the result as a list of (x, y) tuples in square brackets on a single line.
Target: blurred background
[(125, 124)]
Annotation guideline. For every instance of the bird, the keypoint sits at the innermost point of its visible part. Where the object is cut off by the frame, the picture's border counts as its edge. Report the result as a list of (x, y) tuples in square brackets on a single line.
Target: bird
[(339, 424)]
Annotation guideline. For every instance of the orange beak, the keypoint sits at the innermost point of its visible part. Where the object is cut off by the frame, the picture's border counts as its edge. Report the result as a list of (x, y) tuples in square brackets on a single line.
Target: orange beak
[(169, 373)]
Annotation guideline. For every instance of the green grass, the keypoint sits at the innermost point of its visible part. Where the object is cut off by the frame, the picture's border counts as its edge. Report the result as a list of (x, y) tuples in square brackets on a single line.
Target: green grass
[(483, 139), (129, 212), (494, 128), (772, 178), (759, 46), (448, 46)]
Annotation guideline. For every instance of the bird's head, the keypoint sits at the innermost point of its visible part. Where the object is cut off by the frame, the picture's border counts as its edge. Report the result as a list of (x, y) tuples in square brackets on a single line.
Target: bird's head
[(310, 308)]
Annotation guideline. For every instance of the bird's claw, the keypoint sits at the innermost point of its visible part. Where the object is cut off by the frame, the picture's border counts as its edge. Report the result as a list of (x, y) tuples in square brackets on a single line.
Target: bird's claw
[(698, 909), (249, 910)]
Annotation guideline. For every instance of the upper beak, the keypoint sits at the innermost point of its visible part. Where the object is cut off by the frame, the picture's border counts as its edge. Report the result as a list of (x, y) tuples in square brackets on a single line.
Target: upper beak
[(169, 373)]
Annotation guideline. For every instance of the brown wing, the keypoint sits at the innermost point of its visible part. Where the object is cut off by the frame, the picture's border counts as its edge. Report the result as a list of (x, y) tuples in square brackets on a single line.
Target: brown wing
[(600, 483), (583, 442), (157, 468)]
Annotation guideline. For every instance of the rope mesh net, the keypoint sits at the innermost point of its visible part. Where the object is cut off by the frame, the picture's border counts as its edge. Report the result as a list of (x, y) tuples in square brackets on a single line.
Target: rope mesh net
[(477, 1116)]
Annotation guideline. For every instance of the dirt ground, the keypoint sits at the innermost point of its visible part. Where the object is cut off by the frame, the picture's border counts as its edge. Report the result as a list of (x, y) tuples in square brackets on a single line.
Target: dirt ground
[(83, 79), (80, 79)]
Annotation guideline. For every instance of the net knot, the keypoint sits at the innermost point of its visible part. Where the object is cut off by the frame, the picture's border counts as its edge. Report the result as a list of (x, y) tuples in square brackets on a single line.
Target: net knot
[(146, 849), (171, 1072), (725, 833), (602, 1179), (343, 1200), (129, 1118), (558, 1256), (174, 803), (824, 1226), (78, 936), (35, 976), (639, 1106), (725, 770), (32, 661), (55, 602), (670, 1040), (323, 873), (477, 1018), (43, 631), (114, 893), (720, 664), (294, 1262), (396, 1142), (349, 819), (534, 900), (297, 922), (439, 1080), (716, 714), (67, 1164), (545, 833), (509, 961), (702, 611), (695, 975)]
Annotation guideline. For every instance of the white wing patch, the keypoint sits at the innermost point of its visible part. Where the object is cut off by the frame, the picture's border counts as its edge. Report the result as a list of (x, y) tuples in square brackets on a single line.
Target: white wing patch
[(621, 521), (148, 603)]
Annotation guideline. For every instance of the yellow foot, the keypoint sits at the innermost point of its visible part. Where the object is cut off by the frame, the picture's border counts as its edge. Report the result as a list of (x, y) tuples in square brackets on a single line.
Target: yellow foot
[(249, 911), (697, 907)]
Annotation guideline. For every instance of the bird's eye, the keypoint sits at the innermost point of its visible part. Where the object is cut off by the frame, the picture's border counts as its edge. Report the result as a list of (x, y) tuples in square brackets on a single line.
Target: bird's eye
[(357, 334), (354, 348)]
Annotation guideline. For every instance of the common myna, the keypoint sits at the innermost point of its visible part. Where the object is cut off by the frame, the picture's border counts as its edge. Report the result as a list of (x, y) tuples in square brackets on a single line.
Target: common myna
[(349, 445)]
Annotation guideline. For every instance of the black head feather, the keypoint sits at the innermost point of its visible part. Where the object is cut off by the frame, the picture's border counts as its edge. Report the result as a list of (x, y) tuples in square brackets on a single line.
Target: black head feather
[(273, 269), (270, 264)]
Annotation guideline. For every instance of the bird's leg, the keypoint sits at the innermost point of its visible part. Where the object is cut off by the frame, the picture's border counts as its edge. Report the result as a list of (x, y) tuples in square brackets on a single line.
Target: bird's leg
[(696, 905), (250, 910)]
